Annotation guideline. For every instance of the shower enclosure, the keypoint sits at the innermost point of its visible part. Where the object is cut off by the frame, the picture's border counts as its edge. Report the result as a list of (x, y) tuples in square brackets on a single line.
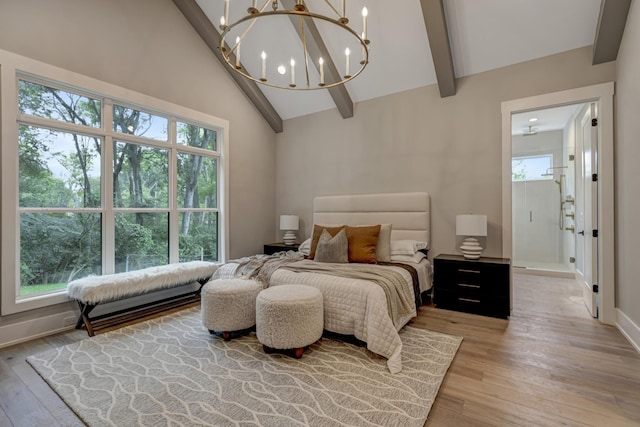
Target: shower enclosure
[(542, 211)]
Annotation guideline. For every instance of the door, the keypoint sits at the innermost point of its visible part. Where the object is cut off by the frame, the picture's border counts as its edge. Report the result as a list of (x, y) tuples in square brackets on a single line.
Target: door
[(587, 209)]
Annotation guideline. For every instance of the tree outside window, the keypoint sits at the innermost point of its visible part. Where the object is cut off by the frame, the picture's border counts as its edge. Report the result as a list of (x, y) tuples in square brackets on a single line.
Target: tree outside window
[(62, 180)]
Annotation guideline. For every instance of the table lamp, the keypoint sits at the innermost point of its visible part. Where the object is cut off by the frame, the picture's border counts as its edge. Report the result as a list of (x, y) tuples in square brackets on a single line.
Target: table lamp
[(471, 226), (289, 224)]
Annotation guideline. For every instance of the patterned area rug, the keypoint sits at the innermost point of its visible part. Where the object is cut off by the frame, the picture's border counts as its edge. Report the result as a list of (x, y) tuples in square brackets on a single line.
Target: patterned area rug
[(171, 371)]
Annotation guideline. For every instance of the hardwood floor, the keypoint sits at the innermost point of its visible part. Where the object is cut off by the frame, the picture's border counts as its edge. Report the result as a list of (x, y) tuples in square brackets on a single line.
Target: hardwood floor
[(549, 365)]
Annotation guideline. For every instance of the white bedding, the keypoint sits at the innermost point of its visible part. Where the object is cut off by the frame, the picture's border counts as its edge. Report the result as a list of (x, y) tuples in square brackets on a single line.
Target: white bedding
[(355, 307)]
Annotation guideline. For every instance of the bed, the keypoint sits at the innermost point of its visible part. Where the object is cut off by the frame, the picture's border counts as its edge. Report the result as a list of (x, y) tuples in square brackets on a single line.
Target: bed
[(353, 306)]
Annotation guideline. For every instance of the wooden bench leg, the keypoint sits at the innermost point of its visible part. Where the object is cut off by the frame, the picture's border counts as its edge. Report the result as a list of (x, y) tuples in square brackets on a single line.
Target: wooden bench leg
[(85, 309), (80, 321)]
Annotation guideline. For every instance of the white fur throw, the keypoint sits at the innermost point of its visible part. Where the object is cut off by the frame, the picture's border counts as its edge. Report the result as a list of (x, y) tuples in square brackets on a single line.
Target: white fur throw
[(112, 287)]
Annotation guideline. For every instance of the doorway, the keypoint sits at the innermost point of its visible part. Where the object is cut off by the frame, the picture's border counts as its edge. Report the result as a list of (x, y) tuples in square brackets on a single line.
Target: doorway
[(601, 213), (543, 153)]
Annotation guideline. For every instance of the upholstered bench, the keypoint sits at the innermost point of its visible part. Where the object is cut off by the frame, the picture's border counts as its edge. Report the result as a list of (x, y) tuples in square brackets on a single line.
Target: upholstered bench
[(93, 290), (289, 317), (229, 305)]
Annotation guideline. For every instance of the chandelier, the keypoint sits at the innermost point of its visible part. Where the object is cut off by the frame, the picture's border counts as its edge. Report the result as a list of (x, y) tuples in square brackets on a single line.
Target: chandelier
[(263, 45)]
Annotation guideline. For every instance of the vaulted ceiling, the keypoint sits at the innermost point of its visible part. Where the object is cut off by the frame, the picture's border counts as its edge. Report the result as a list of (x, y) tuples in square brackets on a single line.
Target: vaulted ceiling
[(416, 43)]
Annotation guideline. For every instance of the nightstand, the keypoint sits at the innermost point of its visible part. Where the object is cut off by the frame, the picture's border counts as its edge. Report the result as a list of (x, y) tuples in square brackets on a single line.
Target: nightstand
[(479, 286), (272, 248)]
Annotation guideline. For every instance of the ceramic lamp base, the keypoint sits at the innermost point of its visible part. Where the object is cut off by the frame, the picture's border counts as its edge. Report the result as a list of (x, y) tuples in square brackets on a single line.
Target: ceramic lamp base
[(471, 248), (289, 238)]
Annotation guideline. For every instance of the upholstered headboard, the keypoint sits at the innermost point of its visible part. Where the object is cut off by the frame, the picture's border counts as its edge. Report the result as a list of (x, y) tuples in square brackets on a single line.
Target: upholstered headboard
[(409, 213)]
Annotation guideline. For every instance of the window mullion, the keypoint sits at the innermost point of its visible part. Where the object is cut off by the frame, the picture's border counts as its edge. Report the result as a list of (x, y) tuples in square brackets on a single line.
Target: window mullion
[(174, 217), (108, 217)]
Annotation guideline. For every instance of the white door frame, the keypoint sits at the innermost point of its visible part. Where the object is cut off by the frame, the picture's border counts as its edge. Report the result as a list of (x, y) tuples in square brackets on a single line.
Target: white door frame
[(602, 94)]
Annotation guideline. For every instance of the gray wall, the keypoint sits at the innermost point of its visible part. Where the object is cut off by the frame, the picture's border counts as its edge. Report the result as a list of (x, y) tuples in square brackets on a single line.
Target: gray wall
[(417, 141), (627, 157), (149, 47)]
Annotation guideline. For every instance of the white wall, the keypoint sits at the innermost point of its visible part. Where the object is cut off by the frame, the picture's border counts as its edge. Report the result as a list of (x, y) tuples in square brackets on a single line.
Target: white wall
[(627, 157), (417, 141), (149, 47)]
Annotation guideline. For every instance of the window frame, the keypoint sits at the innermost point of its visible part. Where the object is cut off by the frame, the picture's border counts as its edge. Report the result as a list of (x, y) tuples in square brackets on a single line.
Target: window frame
[(14, 68)]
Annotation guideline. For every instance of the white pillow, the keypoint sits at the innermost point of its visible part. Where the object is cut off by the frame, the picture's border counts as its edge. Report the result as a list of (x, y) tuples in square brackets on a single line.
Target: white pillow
[(406, 247), (305, 247), (417, 257)]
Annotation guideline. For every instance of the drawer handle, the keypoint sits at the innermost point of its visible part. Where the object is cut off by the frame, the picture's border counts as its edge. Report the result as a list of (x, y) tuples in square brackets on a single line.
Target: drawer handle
[(463, 270), (477, 301), (466, 285)]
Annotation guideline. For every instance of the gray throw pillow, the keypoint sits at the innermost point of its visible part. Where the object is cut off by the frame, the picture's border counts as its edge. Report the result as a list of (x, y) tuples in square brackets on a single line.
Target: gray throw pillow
[(332, 249)]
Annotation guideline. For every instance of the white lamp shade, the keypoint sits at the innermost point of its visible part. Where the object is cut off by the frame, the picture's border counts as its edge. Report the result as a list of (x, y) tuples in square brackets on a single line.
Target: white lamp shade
[(471, 225), (289, 222)]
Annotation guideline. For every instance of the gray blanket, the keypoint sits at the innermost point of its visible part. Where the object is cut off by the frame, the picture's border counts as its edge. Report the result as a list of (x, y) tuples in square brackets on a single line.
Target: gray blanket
[(400, 301), (260, 267)]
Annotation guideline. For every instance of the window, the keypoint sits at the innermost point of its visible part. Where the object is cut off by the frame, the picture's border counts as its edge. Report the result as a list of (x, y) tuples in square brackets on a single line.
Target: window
[(531, 168), (103, 184)]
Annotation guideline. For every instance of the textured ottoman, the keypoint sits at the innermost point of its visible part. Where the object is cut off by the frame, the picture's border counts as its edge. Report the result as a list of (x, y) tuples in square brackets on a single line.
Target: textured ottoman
[(289, 317), (229, 305)]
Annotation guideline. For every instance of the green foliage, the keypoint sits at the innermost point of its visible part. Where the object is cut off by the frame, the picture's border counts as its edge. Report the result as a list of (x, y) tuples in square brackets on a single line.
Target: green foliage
[(58, 169), (518, 170), (57, 247)]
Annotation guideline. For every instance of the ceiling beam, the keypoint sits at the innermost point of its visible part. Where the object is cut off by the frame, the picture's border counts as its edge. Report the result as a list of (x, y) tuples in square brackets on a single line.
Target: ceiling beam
[(611, 22), (205, 29), (317, 49), (436, 23)]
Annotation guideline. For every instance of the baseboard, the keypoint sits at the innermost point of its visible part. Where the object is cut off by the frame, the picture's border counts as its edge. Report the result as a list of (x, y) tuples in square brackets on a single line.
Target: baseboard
[(31, 329), (628, 328), (39, 327), (542, 272)]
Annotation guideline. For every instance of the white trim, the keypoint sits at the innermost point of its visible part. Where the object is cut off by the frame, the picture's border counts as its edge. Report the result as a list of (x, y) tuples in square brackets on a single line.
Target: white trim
[(603, 95), (546, 273), (13, 67), (629, 329), (28, 330)]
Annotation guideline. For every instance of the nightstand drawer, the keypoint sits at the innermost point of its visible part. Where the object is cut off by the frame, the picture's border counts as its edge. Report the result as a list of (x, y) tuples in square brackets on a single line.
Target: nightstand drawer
[(472, 277), (475, 304)]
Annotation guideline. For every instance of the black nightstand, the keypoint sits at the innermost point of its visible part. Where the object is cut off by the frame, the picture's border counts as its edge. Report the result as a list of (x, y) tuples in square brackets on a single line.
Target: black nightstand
[(479, 286), (272, 248)]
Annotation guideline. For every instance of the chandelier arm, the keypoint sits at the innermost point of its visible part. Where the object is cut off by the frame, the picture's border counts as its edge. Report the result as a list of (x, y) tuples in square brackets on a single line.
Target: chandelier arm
[(242, 36), (304, 49), (264, 6), (333, 8), (245, 32)]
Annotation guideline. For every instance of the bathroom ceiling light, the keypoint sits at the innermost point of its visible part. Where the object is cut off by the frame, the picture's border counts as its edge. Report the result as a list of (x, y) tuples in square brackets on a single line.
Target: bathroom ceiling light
[(533, 119)]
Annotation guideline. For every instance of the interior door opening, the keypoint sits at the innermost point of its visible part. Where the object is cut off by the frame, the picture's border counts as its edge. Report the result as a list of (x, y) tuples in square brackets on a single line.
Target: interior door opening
[(599, 235), (543, 152)]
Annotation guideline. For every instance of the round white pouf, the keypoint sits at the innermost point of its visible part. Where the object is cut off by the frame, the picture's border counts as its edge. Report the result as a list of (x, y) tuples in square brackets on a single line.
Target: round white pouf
[(289, 317), (229, 305)]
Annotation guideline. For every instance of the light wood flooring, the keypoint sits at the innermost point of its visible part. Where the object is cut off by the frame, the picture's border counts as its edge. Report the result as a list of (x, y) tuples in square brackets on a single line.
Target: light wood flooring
[(549, 365)]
